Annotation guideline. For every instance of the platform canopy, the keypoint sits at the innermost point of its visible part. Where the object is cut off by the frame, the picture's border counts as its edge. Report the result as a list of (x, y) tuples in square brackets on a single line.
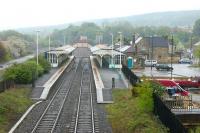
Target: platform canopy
[(67, 49), (102, 52)]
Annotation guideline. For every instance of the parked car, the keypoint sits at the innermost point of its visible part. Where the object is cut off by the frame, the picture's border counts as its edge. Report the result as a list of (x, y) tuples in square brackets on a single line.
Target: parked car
[(163, 67), (150, 62), (185, 61)]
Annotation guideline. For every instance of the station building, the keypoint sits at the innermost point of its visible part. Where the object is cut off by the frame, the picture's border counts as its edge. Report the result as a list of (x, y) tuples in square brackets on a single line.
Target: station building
[(58, 55)]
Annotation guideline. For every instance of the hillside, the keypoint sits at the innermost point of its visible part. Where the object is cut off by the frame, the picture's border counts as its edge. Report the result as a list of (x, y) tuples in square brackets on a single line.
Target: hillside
[(171, 19), (14, 45)]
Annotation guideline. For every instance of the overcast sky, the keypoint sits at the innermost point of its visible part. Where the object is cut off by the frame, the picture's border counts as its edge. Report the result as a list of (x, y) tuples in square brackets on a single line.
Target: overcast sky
[(26, 13)]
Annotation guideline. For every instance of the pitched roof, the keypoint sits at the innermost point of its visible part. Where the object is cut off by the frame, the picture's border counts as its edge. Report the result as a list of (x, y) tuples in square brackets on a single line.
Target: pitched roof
[(126, 48), (157, 41)]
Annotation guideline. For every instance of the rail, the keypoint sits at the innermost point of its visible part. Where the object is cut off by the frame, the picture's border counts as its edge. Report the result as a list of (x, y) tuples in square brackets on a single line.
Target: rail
[(49, 118), (85, 112)]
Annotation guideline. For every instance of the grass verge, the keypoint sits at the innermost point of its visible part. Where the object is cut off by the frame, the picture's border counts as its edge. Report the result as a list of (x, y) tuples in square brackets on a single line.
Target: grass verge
[(13, 103), (134, 114)]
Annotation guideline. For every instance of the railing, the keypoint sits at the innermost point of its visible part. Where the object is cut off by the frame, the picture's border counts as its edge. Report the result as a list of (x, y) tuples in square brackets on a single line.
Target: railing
[(130, 75), (179, 103), (168, 118), (6, 85)]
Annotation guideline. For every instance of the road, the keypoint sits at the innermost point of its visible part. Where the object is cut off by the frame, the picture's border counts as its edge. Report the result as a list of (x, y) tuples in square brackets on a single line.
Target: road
[(17, 61), (180, 70)]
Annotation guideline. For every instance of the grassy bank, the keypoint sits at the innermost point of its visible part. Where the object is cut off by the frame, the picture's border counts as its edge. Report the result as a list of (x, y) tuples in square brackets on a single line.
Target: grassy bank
[(13, 103), (134, 114)]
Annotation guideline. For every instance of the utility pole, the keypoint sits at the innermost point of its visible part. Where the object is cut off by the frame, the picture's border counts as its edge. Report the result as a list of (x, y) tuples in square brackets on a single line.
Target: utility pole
[(151, 52), (172, 48), (191, 47)]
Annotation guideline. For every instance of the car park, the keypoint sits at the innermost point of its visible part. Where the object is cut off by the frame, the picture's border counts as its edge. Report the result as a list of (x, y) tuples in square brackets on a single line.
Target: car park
[(163, 67), (185, 61), (150, 62)]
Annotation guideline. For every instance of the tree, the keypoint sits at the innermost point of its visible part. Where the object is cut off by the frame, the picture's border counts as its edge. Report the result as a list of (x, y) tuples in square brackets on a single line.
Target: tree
[(197, 52), (2, 52), (196, 28)]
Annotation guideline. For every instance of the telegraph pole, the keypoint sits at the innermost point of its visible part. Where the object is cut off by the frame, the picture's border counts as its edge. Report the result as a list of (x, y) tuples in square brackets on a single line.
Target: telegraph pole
[(151, 52), (172, 48)]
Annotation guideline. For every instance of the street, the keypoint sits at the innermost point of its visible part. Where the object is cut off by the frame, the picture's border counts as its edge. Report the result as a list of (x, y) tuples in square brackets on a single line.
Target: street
[(17, 61), (180, 70)]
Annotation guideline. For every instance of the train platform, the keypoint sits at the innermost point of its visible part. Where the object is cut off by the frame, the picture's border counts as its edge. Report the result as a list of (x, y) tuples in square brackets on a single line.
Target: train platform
[(103, 82), (44, 83)]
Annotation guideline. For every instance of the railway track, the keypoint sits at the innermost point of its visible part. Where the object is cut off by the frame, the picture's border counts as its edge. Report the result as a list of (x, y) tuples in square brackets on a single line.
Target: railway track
[(49, 118), (84, 120)]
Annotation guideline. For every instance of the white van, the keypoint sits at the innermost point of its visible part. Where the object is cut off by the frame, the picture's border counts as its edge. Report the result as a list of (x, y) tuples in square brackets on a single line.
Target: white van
[(150, 62)]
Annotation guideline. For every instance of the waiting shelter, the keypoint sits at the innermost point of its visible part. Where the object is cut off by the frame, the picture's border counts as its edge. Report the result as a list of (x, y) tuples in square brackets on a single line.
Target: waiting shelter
[(107, 57), (58, 55)]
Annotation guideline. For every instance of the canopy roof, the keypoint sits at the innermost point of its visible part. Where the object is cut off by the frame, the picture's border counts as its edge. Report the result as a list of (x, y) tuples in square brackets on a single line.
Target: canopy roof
[(67, 49), (103, 52)]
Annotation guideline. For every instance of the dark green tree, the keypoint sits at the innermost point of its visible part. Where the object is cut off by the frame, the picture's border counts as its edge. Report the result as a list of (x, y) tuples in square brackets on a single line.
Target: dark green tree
[(196, 28)]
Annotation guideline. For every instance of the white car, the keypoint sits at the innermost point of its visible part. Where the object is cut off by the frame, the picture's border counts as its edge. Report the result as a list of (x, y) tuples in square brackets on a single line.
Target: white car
[(150, 62)]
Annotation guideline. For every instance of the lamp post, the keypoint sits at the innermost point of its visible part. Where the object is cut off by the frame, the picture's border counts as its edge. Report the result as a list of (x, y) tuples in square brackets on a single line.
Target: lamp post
[(112, 48), (49, 47), (37, 46), (120, 55)]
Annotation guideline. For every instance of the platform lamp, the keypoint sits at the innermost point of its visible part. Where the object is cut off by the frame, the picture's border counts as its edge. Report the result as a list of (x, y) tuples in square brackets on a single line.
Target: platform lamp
[(49, 47), (37, 53), (112, 48), (120, 55)]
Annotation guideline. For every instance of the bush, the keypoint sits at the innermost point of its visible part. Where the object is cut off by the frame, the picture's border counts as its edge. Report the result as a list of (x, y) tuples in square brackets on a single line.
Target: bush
[(43, 63), (134, 114), (157, 88), (23, 73)]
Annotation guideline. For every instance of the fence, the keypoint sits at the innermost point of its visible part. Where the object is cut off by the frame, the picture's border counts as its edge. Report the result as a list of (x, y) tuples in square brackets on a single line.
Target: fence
[(130, 75), (179, 103), (6, 85), (167, 117)]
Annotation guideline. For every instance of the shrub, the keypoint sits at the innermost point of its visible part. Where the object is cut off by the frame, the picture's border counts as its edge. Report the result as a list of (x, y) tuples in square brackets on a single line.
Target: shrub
[(45, 64), (23, 73), (157, 88), (130, 114)]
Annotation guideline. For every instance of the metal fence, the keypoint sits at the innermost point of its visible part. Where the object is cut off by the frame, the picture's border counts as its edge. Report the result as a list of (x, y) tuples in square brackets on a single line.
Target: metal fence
[(130, 75), (168, 118), (179, 103)]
